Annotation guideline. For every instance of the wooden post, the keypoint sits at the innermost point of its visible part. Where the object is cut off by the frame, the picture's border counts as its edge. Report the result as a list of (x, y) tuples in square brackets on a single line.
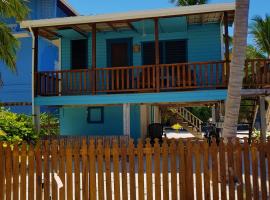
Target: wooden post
[(214, 120), (144, 118), (126, 119), (227, 45), (157, 54), (94, 30), (157, 115), (263, 118)]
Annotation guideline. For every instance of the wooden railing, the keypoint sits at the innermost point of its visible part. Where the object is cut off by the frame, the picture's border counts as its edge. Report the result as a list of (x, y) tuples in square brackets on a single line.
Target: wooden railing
[(257, 73), (182, 169), (149, 78), (190, 118)]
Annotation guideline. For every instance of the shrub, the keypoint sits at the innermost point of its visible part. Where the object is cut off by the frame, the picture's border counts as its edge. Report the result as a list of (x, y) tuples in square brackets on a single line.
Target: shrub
[(16, 128)]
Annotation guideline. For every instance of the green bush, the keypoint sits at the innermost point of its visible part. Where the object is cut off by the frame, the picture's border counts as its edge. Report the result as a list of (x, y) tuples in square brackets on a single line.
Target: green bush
[(16, 128)]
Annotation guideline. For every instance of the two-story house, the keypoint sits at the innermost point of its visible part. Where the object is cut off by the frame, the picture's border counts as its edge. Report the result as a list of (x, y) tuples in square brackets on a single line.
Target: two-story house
[(117, 69), (15, 89)]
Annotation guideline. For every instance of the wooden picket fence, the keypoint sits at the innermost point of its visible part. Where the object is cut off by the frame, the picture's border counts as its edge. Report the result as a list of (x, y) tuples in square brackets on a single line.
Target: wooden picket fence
[(175, 169)]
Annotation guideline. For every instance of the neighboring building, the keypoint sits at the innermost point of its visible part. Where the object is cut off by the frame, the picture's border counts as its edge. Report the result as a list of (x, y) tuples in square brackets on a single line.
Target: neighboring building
[(117, 69), (15, 90)]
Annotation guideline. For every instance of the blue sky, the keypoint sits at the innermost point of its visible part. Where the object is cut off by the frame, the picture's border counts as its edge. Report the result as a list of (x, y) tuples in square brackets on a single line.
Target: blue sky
[(89, 7)]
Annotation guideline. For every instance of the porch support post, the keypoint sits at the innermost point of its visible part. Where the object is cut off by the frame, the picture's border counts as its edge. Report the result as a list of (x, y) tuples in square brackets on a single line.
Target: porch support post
[(157, 115), (227, 43), (214, 120), (157, 54), (144, 119), (263, 118), (94, 57), (126, 119), (35, 109)]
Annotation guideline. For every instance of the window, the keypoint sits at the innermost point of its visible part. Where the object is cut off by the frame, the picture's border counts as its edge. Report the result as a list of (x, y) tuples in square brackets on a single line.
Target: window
[(79, 54), (95, 115), (171, 51)]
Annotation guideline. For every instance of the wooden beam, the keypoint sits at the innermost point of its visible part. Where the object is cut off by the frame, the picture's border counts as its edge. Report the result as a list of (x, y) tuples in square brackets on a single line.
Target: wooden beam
[(132, 27), (227, 39), (53, 33), (94, 57), (263, 118), (79, 30), (157, 53), (112, 26)]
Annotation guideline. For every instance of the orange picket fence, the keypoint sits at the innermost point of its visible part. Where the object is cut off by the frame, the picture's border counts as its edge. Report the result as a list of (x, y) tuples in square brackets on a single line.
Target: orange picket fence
[(176, 169)]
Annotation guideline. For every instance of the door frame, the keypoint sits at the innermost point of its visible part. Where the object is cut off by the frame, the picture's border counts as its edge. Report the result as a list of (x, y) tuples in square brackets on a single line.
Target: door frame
[(109, 42)]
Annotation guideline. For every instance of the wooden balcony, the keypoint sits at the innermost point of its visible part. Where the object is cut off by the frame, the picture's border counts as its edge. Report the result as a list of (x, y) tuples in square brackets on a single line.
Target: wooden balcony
[(149, 78)]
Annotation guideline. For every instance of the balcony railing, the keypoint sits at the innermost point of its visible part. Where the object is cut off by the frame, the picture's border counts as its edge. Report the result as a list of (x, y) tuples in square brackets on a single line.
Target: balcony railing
[(149, 78)]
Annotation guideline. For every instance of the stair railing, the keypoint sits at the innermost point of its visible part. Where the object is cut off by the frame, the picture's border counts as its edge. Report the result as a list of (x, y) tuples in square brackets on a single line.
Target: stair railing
[(190, 118)]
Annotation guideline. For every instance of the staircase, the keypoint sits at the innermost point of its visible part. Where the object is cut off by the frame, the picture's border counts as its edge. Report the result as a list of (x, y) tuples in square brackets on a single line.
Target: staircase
[(189, 121)]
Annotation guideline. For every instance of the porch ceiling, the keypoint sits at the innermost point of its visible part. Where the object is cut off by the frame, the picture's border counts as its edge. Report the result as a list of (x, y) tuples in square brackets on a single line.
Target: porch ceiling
[(199, 14)]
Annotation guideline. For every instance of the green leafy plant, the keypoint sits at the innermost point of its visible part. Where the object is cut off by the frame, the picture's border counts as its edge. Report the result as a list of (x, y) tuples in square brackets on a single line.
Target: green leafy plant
[(16, 128)]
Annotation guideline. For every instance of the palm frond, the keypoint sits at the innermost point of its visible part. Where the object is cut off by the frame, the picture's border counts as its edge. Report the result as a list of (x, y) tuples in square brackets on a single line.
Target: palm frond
[(260, 30), (252, 53), (8, 47), (14, 9)]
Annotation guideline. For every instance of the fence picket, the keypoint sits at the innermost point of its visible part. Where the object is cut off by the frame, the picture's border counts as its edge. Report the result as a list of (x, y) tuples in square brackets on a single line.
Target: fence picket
[(132, 180), (100, 170), (62, 170), (157, 169), (206, 170), (15, 171), (23, 172), (54, 169), (84, 170), (247, 169), (262, 154), (255, 171), (2, 171), (124, 170), (165, 179), (108, 171), (115, 152), (69, 170), (182, 170), (148, 158), (8, 172), (31, 172), (140, 170), (198, 171), (38, 160), (173, 170)]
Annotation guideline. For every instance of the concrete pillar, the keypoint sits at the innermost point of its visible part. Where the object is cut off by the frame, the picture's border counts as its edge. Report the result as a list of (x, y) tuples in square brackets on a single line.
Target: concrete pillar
[(157, 114), (144, 120), (263, 118), (214, 120), (36, 117), (126, 119)]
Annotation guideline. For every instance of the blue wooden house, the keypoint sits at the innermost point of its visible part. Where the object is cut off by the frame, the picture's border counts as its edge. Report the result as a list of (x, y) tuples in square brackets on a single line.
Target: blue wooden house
[(15, 89), (118, 69)]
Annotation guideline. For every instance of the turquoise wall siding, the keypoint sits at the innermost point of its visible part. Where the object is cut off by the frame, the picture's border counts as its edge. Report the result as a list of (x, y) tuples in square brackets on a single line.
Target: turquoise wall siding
[(74, 121), (204, 44)]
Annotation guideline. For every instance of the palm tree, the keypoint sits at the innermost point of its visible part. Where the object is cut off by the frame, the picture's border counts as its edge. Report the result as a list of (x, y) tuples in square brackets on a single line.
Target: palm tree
[(11, 9), (260, 30), (188, 2), (236, 69)]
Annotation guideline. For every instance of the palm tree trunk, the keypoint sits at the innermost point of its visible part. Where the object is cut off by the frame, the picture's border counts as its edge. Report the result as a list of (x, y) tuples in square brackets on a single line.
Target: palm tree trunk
[(236, 70)]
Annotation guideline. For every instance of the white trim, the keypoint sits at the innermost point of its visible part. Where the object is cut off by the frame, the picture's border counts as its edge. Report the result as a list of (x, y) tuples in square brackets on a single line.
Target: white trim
[(69, 7), (21, 35), (178, 11)]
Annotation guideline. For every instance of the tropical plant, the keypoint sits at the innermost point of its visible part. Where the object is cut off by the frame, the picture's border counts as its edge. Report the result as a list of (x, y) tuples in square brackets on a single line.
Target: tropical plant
[(11, 9), (260, 30), (15, 128), (236, 69), (188, 2)]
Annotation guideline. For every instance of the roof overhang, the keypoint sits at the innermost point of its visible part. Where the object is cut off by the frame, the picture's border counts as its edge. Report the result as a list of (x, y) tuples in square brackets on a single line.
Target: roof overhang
[(67, 8), (83, 24)]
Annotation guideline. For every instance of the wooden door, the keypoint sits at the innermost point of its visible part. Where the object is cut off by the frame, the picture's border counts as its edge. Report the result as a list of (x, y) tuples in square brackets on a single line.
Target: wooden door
[(119, 56)]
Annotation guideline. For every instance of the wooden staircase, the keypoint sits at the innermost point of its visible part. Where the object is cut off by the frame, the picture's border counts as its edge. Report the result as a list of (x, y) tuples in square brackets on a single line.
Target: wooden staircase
[(189, 121)]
